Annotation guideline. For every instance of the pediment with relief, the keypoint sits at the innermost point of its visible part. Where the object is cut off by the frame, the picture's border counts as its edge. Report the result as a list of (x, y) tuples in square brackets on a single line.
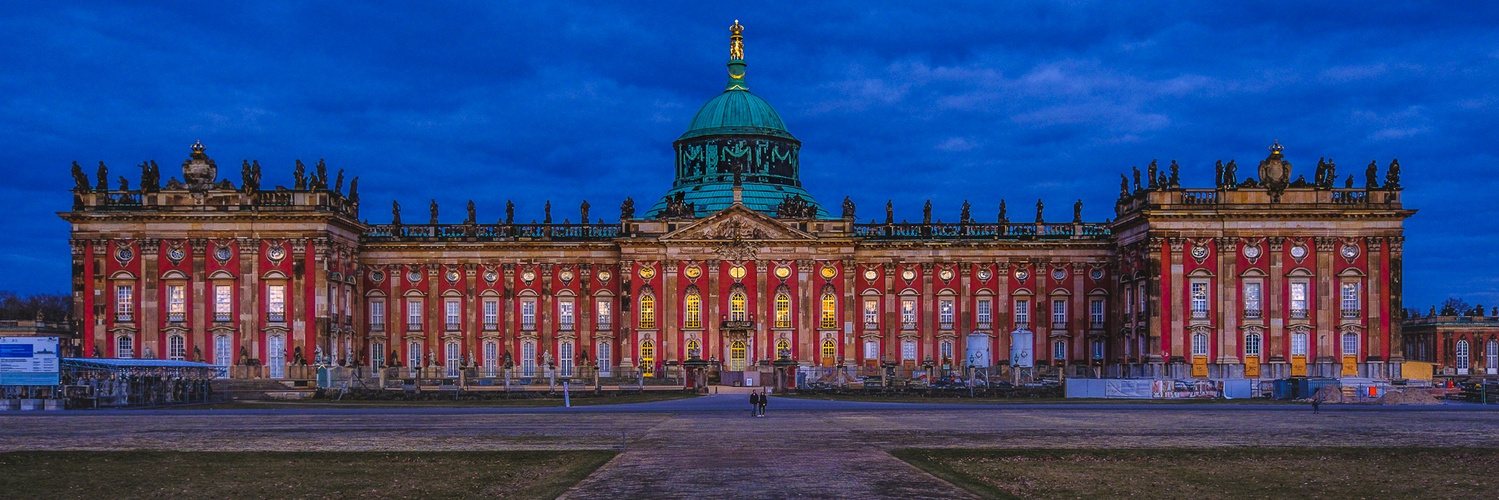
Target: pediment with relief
[(737, 223)]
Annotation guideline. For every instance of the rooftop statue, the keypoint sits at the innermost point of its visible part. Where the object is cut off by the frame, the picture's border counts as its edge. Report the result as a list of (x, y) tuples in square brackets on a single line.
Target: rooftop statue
[(1392, 177), (338, 187), (926, 213), (124, 184), (1039, 206), (848, 208), (1077, 210), (1151, 173), (1004, 218), (1231, 173), (1175, 181), (1218, 174), (584, 209), (509, 212), (966, 216), (433, 208), (1124, 184), (627, 209), (1137, 178), (395, 212), (889, 211), (150, 177), (353, 185), (472, 216), (548, 212), (80, 179), (299, 176), (1371, 176), (103, 183)]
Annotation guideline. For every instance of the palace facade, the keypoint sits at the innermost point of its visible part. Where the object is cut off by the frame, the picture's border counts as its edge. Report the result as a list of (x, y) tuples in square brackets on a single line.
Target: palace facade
[(1266, 277)]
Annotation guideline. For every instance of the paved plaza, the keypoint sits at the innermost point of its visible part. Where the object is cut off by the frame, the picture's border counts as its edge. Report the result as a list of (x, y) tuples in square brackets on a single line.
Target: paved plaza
[(709, 446)]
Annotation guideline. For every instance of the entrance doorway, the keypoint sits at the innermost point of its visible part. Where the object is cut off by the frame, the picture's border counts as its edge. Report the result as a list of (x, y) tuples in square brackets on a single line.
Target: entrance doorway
[(275, 353), (737, 351)]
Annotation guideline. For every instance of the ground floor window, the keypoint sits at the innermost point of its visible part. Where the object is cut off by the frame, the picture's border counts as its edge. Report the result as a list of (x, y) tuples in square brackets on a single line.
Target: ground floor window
[(528, 359), (783, 349), (946, 348), (1059, 351), (871, 350), (1350, 344), (377, 354), (565, 358), (414, 356), (1097, 349), (1492, 357), (648, 358), (737, 355), (1253, 345), (176, 348), (223, 351), (908, 350), (491, 359), (1298, 344), (1199, 344), (1462, 356), (829, 349), (606, 358), (125, 347), (275, 354), (694, 349), (452, 357)]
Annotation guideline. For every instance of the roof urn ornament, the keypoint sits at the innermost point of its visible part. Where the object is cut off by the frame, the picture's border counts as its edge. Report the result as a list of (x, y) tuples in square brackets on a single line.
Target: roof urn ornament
[(199, 170)]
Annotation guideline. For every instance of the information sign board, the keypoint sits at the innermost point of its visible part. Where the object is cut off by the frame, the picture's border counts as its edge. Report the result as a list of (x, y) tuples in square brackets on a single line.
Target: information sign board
[(28, 361)]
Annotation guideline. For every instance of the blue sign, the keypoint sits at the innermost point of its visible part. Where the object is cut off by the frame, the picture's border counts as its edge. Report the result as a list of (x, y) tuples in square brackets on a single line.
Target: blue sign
[(29, 361)]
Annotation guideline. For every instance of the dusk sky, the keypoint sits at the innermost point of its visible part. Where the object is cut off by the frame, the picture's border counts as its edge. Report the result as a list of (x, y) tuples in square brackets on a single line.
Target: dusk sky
[(540, 101)]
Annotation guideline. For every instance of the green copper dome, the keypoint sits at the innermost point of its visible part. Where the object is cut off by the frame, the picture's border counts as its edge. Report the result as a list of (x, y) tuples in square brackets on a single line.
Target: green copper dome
[(739, 133)]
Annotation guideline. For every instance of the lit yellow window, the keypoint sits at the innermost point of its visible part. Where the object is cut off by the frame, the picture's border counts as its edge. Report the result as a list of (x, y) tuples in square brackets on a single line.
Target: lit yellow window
[(694, 317), (829, 311), (647, 312), (783, 310)]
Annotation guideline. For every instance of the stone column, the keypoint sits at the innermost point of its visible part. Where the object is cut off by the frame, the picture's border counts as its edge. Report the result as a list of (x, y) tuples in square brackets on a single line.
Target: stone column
[(1173, 294), (927, 304), (1228, 304), (150, 300), (1396, 301), (1326, 328), (1153, 305), (1374, 339), (200, 311), (1002, 304), (667, 305), (1274, 308), (713, 341)]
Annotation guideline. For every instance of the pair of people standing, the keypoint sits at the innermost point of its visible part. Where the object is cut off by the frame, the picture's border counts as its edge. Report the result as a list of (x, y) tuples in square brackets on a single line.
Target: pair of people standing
[(757, 404)]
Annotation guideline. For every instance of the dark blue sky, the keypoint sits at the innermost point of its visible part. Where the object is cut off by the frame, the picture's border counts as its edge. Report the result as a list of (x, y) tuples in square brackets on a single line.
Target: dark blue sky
[(549, 100)]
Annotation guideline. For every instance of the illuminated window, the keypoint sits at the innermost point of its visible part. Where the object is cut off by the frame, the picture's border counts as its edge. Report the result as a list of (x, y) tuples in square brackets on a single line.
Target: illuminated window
[(829, 311), (736, 355), (829, 349), (648, 358), (739, 307), (783, 310), (907, 313), (647, 312), (871, 312), (124, 302), (945, 313), (694, 349), (783, 349), (694, 314)]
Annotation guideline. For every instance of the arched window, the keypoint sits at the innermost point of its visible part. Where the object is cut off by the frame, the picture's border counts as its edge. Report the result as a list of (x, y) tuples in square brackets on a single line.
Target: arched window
[(783, 310), (565, 358), (1462, 357), (945, 350), (783, 349), (1253, 345), (694, 349), (1298, 344), (451, 358), (1491, 358), (491, 358), (1059, 351), (1350, 344), (736, 355), (605, 357), (1199, 344), (414, 356), (1098, 349), (275, 353), (694, 310), (738, 307), (907, 350), (125, 347), (223, 353), (528, 358), (648, 358), (176, 348), (829, 350), (829, 311), (377, 354), (647, 312)]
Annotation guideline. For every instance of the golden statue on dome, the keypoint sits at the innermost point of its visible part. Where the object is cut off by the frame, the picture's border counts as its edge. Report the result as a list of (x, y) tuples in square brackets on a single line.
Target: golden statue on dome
[(736, 41)]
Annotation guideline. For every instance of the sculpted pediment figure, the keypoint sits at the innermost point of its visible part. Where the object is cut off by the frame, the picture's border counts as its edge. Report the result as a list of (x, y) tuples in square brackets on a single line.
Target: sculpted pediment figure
[(737, 223)]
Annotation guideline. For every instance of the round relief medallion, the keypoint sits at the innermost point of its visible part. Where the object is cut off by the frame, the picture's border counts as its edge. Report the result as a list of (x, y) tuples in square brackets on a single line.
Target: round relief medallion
[(1059, 274), (1097, 274), (176, 254), (829, 272), (604, 276), (946, 275), (783, 272), (527, 275), (565, 276), (1021, 274), (124, 254), (871, 275), (985, 274), (413, 276), (1199, 252), (1298, 251), (452, 276), (647, 273), (737, 272), (693, 271), (221, 253), (276, 253), (491, 276), (1349, 251), (908, 275), (377, 276), (1252, 252)]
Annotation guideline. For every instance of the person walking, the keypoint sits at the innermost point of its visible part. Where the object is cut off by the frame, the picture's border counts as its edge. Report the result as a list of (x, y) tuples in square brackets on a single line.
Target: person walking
[(754, 404), (764, 400)]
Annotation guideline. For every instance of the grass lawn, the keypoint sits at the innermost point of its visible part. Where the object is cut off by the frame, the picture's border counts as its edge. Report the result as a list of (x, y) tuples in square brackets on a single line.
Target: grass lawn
[(152, 474), (536, 402), (1216, 473)]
